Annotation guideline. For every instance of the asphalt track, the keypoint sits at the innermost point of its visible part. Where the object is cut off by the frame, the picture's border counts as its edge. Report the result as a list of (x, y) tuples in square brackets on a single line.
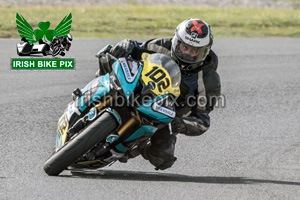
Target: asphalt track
[(251, 150)]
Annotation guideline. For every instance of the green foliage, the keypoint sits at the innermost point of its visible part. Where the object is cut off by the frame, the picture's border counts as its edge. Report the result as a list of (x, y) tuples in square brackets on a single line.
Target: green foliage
[(135, 21)]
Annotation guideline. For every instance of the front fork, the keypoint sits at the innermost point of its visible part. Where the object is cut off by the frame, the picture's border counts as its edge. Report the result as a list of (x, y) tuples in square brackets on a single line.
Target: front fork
[(134, 121)]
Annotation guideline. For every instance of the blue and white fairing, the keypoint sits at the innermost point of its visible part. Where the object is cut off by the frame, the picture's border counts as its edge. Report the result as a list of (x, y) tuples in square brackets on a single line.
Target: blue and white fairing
[(127, 76), (160, 108), (93, 91)]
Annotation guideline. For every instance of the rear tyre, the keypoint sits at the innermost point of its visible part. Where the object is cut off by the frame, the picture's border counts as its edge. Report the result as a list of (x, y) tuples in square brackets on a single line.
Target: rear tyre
[(79, 145)]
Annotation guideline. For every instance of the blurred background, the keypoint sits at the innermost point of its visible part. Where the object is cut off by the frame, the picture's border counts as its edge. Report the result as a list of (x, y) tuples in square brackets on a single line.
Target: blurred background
[(156, 18), (223, 3)]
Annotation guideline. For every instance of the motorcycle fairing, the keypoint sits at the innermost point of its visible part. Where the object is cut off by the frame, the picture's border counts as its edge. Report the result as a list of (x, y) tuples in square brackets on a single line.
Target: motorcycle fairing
[(127, 76), (143, 131), (70, 115), (62, 129), (159, 109), (72, 111), (93, 91)]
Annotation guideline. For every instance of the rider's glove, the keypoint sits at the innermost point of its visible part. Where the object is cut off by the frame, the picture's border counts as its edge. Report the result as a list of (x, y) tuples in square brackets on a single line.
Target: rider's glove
[(122, 48), (178, 125)]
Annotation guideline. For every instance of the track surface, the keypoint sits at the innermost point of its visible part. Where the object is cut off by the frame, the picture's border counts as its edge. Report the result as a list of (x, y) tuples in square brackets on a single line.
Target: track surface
[(251, 150)]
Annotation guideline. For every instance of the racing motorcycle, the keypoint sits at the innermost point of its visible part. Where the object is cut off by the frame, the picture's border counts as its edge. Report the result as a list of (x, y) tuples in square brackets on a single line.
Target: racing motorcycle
[(115, 112), (60, 44)]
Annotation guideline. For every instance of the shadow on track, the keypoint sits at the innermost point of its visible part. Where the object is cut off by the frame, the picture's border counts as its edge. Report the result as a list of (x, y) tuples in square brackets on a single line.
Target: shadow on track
[(155, 176)]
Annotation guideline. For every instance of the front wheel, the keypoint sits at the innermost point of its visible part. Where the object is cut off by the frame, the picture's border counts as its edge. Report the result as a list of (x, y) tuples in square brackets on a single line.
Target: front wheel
[(56, 50), (79, 145)]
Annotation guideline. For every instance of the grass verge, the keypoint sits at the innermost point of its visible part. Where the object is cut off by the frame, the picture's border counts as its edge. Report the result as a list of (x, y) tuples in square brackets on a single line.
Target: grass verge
[(135, 21)]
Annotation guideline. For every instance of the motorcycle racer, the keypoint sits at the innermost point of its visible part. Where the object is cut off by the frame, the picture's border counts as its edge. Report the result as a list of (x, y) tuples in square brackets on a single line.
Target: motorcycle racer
[(62, 42), (200, 86)]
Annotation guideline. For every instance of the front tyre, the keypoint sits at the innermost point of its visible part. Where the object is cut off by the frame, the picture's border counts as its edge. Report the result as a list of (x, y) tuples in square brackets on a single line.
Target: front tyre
[(79, 145), (56, 50)]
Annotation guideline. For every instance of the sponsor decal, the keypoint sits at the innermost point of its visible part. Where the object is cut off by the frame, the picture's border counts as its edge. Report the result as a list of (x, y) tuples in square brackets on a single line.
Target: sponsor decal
[(126, 69), (164, 111), (161, 107), (192, 40)]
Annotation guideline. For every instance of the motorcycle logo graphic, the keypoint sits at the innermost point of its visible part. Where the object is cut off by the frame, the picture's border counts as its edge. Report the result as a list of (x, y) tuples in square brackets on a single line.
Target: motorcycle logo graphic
[(36, 41)]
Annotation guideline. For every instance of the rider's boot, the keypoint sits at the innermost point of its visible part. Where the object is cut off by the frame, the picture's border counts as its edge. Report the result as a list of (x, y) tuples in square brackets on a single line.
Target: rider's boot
[(161, 156)]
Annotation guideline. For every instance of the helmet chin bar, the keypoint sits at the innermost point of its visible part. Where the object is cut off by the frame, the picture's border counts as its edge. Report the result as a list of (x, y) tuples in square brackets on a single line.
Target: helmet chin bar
[(185, 57), (187, 66)]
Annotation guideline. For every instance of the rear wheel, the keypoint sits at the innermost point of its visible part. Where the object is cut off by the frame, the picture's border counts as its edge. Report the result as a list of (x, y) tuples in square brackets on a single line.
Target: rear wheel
[(79, 145)]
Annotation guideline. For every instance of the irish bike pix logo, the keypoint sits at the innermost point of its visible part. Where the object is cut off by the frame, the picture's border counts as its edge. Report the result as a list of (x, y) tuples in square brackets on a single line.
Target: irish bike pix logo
[(43, 48)]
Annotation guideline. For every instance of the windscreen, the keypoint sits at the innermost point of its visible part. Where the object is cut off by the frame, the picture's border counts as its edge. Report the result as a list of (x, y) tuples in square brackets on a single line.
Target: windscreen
[(169, 65)]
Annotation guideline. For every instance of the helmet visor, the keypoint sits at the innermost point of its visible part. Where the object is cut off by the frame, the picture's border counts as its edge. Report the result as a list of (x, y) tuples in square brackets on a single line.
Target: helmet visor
[(189, 54)]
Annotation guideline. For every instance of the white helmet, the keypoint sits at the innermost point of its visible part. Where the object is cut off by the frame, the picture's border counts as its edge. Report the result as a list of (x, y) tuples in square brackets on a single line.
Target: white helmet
[(195, 33), (69, 37)]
